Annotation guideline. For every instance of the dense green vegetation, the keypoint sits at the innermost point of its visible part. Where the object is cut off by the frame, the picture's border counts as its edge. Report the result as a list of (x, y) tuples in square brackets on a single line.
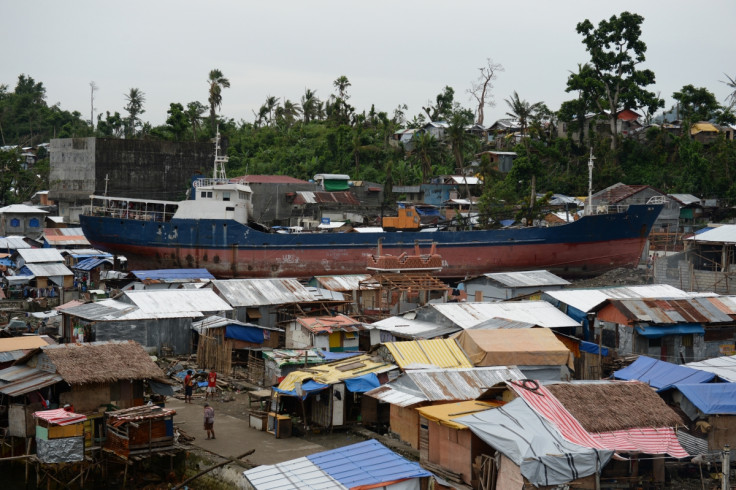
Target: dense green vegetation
[(326, 134)]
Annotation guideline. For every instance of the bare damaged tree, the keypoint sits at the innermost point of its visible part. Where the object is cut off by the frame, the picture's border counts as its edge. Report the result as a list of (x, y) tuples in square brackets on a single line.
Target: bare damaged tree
[(480, 89)]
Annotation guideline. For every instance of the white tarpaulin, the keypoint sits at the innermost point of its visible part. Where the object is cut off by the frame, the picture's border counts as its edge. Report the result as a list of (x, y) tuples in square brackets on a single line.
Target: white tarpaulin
[(530, 441)]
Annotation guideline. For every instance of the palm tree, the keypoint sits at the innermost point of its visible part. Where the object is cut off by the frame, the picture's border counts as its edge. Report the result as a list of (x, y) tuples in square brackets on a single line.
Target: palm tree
[(217, 82), (290, 112), (135, 99), (309, 105), (271, 105), (426, 147), (731, 99), (521, 110)]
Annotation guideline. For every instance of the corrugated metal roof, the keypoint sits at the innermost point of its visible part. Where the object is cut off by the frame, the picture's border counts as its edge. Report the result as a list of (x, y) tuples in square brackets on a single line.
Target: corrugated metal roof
[(22, 208), (422, 385), (468, 315), (329, 324), (216, 321), (13, 243), (498, 323), (48, 269), (319, 294), (19, 380), (719, 234), (443, 353), (262, 292), (63, 240), (685, 199), (401, 326), (724, 367), (35, 255), (671, 311), (296, 474), (171, 303), (523, 279), (105, 310), (342, 283), (587, 299)]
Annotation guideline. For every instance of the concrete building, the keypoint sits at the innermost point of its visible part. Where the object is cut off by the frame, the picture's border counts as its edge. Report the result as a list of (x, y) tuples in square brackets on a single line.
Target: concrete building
[(23, 220), (160, 170)]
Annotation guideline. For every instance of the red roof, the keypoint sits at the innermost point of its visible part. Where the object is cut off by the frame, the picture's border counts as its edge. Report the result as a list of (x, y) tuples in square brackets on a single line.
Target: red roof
[(270, 179), (60, 416), (628, 115)]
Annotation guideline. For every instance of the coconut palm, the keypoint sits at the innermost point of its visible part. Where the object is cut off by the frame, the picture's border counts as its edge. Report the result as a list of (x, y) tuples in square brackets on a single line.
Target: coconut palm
[(135, 99), (521, 110), (194, 113), (731, 99), (217, 82), (309, 105)]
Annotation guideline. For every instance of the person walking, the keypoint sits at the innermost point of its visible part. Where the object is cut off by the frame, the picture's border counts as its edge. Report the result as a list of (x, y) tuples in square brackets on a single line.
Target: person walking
[(188, 387), (211, 384), (209, 420)]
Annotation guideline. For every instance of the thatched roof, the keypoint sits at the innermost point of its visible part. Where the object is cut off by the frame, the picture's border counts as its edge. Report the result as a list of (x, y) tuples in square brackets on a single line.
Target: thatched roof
[(605, 407), (102, 362)]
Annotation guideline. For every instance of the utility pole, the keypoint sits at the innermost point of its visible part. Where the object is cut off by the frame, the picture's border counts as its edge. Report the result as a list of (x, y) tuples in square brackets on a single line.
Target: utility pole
[(92, 88)]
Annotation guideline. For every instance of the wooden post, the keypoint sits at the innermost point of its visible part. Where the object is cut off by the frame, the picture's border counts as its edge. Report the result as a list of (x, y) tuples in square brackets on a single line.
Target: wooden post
[(725, 467)]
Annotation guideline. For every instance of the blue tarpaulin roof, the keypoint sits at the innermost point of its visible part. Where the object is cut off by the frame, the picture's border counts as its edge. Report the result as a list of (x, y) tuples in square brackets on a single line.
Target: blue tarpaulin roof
[(172, 274), (660, 331), (90, 263), (307, 388), (361, 384), (711, 398), (366, 463), (661, 374), (592, 348), (246, 334)]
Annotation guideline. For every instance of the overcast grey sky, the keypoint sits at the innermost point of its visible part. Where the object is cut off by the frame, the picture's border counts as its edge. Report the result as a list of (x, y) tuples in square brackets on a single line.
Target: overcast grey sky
[(393, 52)]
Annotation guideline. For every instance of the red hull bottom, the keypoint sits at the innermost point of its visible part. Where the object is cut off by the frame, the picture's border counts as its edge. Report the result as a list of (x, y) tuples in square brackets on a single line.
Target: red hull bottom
[(570, 260)]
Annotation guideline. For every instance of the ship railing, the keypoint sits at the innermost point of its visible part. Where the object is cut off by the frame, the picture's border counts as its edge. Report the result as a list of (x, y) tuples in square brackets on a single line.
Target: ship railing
[(137, 209), (208, 182)]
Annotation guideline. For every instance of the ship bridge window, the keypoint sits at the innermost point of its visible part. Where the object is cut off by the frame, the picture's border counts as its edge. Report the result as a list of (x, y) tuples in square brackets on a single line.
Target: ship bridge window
[(206, 194), (243, 196), (226, 196)]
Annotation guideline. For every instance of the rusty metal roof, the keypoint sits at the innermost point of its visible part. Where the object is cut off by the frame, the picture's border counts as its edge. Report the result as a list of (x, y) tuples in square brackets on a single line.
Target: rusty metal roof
[(587, 299), (262, 292), (442, 353), (349, 282), (329, 324), (671, 311), (431, 385)]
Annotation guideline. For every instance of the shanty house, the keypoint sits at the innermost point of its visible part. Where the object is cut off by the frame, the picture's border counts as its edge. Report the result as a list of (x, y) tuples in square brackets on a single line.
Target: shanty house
[(85, 376), (59, 436), (661, 375), (169, 278), (508, 285), (324, 389), (711, 408), (448, 447), (257, 300), (335, 333), (46, 265), (675, 330), (423, 387), (159, 320), (218, 337)]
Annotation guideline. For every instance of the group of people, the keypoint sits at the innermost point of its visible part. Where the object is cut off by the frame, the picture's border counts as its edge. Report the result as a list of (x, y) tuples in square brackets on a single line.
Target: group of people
[(211, 389)]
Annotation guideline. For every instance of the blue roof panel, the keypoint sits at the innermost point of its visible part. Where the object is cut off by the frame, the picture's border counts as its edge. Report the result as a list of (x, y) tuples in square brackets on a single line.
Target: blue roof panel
[(91, 263), (711, 398), (366, 463), (661, 374)]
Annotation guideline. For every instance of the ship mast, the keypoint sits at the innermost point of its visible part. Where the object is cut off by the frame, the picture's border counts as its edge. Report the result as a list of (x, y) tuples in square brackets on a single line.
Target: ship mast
[(589, 206), (220, 160)]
